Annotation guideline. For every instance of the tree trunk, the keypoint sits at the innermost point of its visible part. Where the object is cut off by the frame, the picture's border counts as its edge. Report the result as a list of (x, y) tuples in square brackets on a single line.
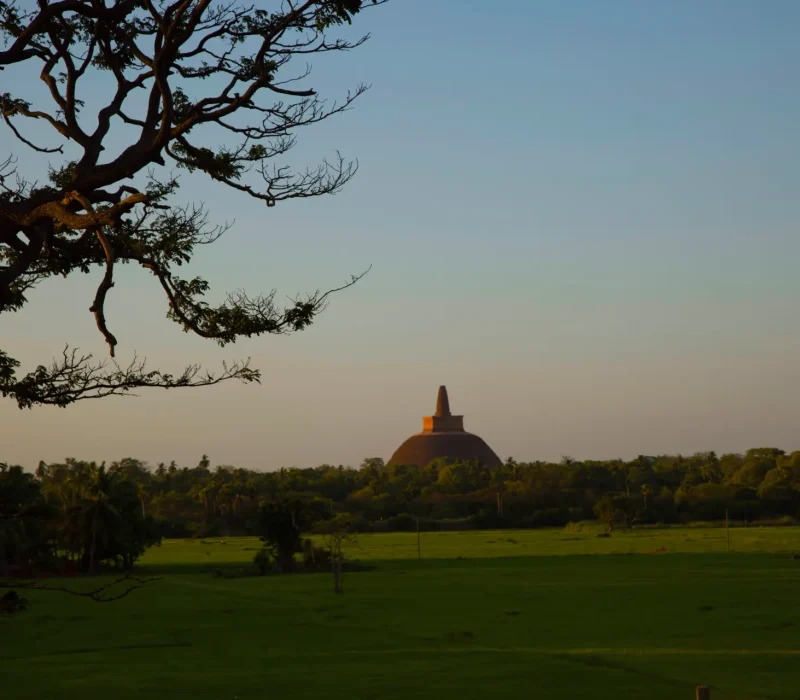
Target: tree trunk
[(337, 576), (336, 565)]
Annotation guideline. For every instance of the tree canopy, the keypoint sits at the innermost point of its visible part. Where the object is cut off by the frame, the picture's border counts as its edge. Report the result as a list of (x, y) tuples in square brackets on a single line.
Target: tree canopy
[(204, 501), (70, 518), (200, 86)]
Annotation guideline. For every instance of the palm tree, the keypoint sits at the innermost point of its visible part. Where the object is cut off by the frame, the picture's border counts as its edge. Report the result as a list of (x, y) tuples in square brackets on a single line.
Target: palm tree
[(98, 508), (71, 530), (12, 538), (143, 495), (647, 491), (71, 488), (206, 494)]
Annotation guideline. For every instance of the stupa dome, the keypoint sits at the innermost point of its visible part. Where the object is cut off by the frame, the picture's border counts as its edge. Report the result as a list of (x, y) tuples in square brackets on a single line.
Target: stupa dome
[(443, 435)]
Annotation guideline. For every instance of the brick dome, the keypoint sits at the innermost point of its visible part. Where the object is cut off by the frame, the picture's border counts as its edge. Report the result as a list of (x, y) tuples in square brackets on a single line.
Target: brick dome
[(443, 435)]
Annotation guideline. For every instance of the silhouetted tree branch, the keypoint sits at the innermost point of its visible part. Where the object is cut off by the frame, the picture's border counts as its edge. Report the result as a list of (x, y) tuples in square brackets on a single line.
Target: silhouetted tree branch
[(98, 594), (76, 377), (184, 74)]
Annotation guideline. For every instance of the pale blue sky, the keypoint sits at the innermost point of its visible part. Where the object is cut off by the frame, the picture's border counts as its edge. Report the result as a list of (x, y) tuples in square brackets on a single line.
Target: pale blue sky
[(582, 217)]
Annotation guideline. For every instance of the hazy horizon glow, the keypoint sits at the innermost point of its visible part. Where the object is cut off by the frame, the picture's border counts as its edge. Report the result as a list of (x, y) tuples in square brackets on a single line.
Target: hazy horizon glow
[(582, 220)]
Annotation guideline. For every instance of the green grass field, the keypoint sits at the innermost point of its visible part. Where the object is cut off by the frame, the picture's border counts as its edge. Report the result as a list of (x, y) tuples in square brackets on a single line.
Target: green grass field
[(484, 614)]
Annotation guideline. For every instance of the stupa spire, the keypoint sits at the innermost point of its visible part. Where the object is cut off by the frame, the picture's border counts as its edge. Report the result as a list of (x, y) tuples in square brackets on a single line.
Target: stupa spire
[(442, 403), (443, 421)]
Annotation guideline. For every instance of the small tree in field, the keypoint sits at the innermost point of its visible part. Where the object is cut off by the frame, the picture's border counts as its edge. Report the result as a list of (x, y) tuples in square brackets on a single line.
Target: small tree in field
[(338, 533), (204, 86), (605, 510), (280, 525), (617, 507)]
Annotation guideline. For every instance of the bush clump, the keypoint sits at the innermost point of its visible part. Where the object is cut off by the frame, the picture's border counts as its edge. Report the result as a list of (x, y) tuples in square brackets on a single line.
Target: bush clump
[(264, 561), (12, 603)]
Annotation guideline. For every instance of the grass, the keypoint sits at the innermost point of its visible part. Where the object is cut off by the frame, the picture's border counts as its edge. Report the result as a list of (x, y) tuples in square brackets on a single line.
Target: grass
[(503, 543), (522, 614)]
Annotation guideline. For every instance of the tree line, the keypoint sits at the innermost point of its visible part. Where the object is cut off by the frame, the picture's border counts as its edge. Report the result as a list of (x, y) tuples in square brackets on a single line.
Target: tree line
[(78, 513), (70, 519)]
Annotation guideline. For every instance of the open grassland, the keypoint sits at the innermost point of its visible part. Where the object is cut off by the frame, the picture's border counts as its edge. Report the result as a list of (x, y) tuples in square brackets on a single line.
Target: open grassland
[(499, 622), (499, 543)]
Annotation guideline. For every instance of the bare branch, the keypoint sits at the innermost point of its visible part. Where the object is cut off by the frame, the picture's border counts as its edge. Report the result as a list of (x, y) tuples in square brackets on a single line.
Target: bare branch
[(30, 144), (96, 594)]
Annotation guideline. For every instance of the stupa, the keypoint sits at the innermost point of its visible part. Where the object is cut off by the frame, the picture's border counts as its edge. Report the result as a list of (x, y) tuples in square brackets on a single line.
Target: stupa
[(443, 435)]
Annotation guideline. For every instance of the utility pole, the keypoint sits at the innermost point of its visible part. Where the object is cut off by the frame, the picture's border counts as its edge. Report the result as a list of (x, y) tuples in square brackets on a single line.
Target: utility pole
[(419, 548)]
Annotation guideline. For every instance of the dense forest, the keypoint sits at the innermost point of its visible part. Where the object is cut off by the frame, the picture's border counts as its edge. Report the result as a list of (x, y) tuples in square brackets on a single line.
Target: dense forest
[(71, 521), (81, 513)]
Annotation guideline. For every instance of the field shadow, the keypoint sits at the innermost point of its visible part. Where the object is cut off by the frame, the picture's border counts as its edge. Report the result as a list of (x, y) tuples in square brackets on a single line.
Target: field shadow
[(235, 570), (700, 560)]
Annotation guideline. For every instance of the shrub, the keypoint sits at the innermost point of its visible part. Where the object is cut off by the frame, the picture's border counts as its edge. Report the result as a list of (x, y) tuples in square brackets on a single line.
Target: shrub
[(264, 561), (315, 557), (12, 603)]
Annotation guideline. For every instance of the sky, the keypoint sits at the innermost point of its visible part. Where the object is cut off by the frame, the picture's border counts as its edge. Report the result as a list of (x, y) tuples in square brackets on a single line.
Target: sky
[(581, 217)]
